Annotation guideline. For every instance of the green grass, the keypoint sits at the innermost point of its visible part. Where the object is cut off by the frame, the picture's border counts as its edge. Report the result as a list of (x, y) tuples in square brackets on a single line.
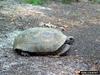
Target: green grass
[(69, 1), (35, 2), (66, 1), (95, 1), (40, 2)]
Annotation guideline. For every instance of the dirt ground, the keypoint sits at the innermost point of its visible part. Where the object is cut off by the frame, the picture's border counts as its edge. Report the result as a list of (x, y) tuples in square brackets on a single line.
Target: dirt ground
[(81, 20)]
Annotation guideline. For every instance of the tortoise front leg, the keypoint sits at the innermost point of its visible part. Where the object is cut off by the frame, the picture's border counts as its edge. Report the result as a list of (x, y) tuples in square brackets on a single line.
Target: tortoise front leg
[(65, 49)]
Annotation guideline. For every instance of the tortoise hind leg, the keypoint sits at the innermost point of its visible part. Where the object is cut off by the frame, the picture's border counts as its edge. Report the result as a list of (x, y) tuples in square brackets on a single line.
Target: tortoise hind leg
[(25, 54), (22, 53)]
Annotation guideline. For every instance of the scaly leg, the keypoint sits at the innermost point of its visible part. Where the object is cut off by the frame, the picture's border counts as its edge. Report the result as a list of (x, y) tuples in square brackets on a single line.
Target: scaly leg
[(65, 49)]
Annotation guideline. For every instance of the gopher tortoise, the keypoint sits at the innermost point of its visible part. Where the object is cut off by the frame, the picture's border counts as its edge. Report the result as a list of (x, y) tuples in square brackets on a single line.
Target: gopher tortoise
[(42, 41)]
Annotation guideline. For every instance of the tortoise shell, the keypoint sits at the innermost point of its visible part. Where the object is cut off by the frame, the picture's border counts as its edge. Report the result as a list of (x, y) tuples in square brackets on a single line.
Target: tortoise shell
[(39, 39)]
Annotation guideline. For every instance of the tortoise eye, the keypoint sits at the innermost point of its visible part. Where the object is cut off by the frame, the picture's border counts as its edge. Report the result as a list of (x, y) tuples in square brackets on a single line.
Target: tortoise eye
[(71, 38)]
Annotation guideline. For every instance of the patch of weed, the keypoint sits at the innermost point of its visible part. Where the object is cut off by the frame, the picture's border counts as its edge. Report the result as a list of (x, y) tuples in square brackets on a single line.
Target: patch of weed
[(95, 1), (35, 2), (66, 1)]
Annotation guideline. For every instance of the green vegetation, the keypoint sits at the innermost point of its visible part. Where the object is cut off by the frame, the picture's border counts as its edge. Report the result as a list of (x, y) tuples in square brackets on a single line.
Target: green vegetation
[(35, 2), (96, 1), (69, 1), (40, 2), (66, 1)]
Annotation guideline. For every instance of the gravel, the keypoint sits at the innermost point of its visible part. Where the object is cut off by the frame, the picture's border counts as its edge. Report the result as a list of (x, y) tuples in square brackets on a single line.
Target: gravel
[(82, 20)]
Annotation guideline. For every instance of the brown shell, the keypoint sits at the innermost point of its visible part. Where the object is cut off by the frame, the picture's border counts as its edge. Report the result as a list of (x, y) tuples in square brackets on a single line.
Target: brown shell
[(39, 39)]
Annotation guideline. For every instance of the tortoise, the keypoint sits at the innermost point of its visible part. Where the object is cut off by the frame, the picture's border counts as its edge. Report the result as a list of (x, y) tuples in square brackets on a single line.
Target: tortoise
[(42, 41)]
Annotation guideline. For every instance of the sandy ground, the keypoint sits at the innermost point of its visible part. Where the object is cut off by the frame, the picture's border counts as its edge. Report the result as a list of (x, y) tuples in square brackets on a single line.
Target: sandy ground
[(81, 20)]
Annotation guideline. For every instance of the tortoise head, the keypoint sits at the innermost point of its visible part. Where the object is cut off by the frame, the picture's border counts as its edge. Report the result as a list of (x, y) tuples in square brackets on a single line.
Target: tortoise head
[(70, 40)]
